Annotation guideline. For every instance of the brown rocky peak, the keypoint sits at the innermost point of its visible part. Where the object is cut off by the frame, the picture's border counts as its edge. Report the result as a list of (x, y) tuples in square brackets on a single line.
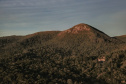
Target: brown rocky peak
[(81, 27), (77, 28)]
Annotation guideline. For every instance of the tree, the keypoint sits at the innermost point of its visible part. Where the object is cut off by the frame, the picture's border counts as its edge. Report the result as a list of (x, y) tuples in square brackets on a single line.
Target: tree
[(69, 81)]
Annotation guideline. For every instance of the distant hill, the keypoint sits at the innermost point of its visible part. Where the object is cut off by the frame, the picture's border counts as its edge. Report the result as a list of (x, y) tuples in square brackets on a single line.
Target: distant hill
[(63, 57), (123, 38)]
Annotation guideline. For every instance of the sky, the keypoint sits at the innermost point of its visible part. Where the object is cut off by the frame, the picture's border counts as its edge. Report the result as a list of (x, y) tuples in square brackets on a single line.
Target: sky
[(23, 17)]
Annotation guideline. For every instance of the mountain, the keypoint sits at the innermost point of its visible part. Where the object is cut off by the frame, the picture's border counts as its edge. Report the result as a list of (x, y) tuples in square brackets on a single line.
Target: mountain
[(82, 38), (88, 38), (63, 57)]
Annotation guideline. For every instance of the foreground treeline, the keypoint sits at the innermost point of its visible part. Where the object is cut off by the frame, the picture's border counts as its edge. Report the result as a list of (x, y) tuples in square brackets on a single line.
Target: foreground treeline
[(39, 66)]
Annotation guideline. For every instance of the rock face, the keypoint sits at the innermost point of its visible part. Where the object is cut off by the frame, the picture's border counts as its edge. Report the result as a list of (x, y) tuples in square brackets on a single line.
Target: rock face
[(84, 30), (77, 28)]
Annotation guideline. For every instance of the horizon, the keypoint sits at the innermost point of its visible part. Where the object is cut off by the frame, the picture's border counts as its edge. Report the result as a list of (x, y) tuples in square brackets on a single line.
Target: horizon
[(27, 17)]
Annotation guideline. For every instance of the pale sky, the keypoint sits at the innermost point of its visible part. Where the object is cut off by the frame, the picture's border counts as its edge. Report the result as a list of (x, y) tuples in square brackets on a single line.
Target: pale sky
[(22, 17)]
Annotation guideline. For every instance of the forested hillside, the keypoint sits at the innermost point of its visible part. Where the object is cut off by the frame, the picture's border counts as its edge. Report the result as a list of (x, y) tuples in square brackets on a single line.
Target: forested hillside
[(63, 57)]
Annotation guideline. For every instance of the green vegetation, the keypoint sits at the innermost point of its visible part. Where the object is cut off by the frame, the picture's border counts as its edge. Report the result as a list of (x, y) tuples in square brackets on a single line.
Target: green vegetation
[(47, 58)]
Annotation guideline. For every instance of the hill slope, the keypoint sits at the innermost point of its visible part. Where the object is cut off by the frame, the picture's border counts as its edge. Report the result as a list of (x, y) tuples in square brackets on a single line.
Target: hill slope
[(63, 57), (123, 38)]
